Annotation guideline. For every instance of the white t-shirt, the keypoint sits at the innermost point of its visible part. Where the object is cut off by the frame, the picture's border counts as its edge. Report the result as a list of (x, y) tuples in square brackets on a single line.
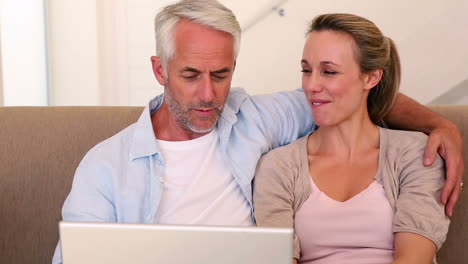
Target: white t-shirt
[(198, 187)]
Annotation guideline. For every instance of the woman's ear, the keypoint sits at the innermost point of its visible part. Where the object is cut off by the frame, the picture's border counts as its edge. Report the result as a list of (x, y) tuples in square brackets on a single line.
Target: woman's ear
[(158, 70), (373, 78)]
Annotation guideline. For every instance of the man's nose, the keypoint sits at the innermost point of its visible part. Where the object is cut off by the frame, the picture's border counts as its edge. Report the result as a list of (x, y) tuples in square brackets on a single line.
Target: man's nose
[(207, 89)]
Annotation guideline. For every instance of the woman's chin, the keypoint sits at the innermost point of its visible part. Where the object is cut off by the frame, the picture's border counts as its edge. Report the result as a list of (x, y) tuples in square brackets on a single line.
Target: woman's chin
[(322, 122)]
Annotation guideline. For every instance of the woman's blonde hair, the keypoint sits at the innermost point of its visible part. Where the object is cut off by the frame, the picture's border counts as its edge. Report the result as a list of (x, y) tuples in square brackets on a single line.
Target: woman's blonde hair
[(374, 51)]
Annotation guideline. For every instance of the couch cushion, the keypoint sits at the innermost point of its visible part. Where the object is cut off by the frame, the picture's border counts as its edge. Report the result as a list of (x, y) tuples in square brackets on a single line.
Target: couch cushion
[(455, 249), (40, 148)]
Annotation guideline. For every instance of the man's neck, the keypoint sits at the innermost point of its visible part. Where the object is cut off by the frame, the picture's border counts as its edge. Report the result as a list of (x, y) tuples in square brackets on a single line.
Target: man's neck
[(166, 128)]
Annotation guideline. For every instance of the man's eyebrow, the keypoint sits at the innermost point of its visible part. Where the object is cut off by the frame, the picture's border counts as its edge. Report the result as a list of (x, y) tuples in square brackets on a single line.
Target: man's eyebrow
[(190, 69), (223, 70)]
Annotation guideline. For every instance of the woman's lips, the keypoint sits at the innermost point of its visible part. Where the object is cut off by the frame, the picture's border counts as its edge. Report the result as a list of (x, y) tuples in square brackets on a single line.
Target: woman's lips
[(318, 102)]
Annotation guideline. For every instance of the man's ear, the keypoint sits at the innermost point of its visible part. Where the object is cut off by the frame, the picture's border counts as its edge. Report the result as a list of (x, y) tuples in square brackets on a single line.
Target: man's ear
[(373, 78), (158, 70)]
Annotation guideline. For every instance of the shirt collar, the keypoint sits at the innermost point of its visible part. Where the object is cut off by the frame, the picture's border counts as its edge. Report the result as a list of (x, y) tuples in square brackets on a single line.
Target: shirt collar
[(144, 143)]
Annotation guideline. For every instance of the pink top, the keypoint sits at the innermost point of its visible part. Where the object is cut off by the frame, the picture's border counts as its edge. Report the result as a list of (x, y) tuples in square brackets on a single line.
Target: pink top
[(358, 230)]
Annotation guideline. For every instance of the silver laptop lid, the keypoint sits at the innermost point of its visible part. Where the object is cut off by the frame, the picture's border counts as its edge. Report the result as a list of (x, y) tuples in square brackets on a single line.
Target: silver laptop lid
[(101, 243)]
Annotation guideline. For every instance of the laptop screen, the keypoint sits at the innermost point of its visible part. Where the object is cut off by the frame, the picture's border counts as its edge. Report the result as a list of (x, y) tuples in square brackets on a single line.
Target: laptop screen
[(94, 243)]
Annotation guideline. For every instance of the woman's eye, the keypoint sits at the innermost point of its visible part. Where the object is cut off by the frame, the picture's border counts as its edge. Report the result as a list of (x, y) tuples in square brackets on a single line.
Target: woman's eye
[(330, 72), (305, 71)]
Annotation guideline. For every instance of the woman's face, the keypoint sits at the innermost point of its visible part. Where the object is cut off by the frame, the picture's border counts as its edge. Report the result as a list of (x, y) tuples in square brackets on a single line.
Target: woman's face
[(332, 81)]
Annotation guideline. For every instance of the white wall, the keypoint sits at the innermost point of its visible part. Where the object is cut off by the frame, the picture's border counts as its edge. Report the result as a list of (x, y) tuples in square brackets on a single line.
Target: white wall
[(113, 52), (432, 38), (1, 73), (73, 52), (23, 53), (141, 43), (141, 46), (101, 54)]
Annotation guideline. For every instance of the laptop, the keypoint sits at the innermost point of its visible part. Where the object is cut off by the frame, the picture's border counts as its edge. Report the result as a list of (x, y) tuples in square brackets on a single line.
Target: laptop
[(102, 243)]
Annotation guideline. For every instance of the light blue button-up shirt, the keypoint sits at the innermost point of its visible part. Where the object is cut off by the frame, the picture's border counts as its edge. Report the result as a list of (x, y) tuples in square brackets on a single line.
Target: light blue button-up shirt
[(118, 179)]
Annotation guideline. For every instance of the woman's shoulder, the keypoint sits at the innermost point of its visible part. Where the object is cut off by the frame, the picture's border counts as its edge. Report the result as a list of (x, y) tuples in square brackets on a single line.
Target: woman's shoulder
[(291, 153), (403, 139), (284, 171), (406, 148), (284, 164)]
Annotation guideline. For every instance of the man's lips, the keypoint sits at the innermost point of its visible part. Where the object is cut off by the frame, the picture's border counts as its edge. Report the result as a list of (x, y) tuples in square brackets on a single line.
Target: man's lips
[(204, 112)]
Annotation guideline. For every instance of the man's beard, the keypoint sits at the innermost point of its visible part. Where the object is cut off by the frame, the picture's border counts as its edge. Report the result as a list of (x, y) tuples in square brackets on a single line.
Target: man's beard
[(181, 113)]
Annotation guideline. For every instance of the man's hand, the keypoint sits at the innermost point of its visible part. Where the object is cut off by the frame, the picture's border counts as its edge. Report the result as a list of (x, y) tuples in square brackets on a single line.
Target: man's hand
[(447, 141), (444, 138)]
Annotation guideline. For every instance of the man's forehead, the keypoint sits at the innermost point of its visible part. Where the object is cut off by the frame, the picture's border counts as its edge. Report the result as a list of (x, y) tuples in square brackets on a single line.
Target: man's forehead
[(199, 38), (201, 49)]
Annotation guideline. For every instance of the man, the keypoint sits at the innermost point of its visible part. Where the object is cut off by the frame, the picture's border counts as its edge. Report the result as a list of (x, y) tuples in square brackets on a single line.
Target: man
[(191, 157)]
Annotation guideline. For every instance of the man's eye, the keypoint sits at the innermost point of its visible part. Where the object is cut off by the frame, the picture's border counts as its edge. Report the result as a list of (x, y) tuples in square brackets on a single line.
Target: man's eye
[(189, 77), (219, 77)]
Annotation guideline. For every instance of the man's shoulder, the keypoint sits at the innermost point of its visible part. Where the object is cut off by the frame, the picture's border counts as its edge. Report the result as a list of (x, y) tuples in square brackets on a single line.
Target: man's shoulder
[(238, 91), (237, 94), (236, 97), (239, 99), (116, 145)]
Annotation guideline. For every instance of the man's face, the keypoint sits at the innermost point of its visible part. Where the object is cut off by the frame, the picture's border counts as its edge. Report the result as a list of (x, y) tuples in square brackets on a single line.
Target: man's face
[(198, 76)]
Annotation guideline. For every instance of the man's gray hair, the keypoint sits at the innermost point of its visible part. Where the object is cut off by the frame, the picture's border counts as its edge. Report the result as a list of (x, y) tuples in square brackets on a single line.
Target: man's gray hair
[(208, 13)]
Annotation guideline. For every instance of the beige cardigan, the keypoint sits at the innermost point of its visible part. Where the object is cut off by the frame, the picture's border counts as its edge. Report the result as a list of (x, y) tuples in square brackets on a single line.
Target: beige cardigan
[(282, 185)]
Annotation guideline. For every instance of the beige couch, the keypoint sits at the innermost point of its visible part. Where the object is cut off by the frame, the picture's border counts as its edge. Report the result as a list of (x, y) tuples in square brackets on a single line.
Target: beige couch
[(40, 147)]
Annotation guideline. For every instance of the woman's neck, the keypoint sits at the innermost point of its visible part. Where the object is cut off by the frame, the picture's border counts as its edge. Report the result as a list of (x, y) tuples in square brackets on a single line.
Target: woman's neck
[(346, 141)]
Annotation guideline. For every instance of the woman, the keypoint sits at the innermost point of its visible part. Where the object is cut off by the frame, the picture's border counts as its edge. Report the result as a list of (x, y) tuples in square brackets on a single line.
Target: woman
[(353, 191)]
